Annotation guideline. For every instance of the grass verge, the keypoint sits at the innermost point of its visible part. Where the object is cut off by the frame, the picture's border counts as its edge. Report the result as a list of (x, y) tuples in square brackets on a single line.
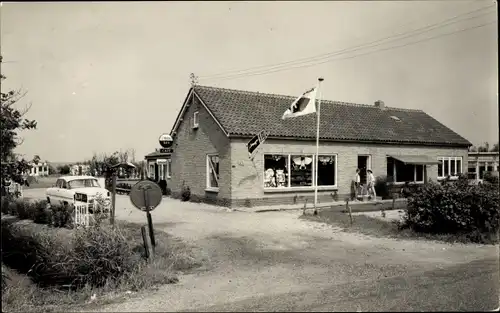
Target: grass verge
[(171, 257), (375, 227)]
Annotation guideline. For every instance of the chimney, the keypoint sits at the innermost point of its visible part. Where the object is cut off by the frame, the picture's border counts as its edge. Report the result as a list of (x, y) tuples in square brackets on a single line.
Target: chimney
[(380, 104)]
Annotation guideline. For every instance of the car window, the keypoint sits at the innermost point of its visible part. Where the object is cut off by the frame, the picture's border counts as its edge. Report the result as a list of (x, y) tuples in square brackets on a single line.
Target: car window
[(83, 183), (64, 185), (58, 183)]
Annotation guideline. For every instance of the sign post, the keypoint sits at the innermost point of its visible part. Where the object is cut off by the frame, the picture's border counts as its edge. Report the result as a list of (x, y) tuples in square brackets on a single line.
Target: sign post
[(146, 196)]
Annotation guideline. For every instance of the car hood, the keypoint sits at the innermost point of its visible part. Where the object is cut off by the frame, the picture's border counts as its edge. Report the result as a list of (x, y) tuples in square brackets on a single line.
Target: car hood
[(91, 191)]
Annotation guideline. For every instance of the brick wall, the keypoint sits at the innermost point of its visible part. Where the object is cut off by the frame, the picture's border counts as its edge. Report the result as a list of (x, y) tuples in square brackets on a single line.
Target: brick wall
[(247, 176), (191, 146)]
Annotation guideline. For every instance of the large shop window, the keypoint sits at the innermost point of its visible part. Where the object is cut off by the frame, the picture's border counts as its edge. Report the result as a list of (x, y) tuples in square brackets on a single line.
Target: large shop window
[(451, 166), (291, 170), (212, 171), (400, 172)]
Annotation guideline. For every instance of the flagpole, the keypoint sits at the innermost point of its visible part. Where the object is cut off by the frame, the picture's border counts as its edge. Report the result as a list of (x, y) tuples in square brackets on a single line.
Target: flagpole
[(317, 146)]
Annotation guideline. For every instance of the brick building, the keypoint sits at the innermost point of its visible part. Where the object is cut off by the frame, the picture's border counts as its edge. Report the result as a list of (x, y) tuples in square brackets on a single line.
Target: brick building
[(214, 125)]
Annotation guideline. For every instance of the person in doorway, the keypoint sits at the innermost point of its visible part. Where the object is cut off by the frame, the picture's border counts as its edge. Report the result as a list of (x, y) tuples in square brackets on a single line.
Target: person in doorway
[(371, 184), (356, 184)]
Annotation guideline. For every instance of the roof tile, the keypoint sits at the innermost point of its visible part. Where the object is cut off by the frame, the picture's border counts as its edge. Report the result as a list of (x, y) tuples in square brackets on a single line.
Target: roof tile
[(247, 113)]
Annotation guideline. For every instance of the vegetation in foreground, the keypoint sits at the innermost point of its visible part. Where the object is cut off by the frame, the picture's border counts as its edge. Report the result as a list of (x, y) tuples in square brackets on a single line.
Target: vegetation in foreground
[(50, 268), (449, 211)]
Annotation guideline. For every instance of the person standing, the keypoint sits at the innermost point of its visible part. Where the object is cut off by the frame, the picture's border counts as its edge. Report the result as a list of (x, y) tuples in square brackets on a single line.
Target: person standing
[(356, 184), (371, 184)]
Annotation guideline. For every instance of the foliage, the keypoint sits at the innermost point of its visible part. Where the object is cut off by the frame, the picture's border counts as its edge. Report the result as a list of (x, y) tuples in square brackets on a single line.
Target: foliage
[(381, 187), (63, 169), (491, 178), (5, 278), (12, 121), (185, 193), (457, 208)]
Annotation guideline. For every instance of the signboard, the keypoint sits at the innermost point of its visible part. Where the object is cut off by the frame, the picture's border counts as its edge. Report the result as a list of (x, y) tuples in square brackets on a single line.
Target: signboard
[(255, 142), (165, 140), (146, 195), (166, 150), (161, 161)]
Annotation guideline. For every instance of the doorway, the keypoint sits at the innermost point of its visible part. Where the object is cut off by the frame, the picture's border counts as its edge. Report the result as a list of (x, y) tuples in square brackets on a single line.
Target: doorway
[(364, 163)]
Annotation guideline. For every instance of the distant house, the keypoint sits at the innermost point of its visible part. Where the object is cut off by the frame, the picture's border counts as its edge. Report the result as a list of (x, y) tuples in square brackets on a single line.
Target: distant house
[(38, 169), (480, 163), (214, 125), (80, 169)]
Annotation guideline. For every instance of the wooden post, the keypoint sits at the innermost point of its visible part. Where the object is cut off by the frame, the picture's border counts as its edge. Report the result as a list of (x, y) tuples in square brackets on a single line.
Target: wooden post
[(147, 244), (113, 200), (348, 208)]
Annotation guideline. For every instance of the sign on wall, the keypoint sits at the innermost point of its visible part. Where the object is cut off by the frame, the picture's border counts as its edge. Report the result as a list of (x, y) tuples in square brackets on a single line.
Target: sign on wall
[(255, 142), (166, 150), (165, 141)]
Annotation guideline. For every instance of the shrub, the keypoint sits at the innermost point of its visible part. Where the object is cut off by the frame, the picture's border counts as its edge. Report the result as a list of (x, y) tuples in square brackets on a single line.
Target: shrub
[(103, 254), (491, 178), (454, 208), (5, 278), (185, 193), (381, 187), (61, 216)]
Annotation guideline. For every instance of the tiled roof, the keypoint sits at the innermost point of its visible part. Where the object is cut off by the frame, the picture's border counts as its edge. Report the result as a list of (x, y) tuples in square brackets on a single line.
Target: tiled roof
[(156, 154), (243, 113)]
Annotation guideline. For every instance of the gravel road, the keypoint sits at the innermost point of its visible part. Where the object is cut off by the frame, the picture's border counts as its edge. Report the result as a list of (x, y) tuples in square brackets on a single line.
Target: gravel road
[(255, 261)]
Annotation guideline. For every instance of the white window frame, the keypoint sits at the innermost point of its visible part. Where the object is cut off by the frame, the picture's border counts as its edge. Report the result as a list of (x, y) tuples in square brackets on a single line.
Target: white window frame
[(208, 170), (415, 181), (169, 168), (195, 119), (288, 157), (161, 171), (449, 159), (151, 170)]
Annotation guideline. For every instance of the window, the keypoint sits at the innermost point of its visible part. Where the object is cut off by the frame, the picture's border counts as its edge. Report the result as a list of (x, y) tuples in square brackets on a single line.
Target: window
[(301, 171), (293, 170), (212, 171), (195, 119), (327, 170), (400, 172), (152, 170), (161, 169), (82, 183), (451, 166)]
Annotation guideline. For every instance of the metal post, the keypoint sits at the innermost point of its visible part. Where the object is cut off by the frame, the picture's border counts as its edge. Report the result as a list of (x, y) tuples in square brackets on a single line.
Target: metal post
[(317, 146), (113, 199), (150, 220)]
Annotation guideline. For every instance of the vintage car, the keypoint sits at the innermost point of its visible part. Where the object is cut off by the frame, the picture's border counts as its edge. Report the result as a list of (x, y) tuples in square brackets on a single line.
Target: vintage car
[(79, 189)]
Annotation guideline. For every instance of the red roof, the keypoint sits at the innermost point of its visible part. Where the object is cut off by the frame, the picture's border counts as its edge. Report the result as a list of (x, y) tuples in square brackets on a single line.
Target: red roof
[(245, 113)]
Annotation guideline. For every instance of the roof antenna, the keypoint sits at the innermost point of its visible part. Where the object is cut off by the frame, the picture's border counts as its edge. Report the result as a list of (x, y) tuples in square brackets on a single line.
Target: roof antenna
[(194, 79)]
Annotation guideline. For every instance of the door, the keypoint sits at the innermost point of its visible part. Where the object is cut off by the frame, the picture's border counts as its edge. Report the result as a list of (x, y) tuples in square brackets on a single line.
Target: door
[(363, 165)]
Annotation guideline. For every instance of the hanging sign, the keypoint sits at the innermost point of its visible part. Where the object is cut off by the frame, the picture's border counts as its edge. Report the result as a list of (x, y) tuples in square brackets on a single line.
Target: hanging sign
[(255, 142)]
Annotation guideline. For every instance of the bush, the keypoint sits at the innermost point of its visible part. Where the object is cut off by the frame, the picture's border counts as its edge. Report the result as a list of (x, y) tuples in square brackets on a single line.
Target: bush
[(381, 187), (454, 208), (185, 193), (491, 178)]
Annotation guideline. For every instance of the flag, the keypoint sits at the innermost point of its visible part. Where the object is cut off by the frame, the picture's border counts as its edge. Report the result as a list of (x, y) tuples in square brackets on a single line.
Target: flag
[(305, 104)]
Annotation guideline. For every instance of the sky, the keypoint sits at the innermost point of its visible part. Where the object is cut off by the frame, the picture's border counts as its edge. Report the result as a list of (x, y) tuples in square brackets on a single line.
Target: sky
[(103, 77)]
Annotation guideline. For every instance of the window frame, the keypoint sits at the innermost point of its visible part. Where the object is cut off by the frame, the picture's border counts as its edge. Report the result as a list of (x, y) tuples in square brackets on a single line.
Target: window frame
[(208, 167), (415, 181), (288, 158), (196, 119), (449, 159), (168, 168)]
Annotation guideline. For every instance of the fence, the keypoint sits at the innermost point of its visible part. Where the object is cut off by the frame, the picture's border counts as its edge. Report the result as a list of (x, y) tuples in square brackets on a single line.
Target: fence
[(82, 215)]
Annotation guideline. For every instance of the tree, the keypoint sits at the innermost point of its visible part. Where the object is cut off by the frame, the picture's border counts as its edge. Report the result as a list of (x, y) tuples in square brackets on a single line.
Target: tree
[(12, 121), (484, 148), (64, 169), (495, 148)]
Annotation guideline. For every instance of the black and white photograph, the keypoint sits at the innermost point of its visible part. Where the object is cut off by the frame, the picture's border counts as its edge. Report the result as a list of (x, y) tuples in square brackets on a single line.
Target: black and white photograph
[(244, 156)]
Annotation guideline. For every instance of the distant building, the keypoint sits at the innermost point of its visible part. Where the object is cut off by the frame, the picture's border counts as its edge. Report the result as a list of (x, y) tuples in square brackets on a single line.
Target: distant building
[(38, 169), (80, 169), (481, 163)]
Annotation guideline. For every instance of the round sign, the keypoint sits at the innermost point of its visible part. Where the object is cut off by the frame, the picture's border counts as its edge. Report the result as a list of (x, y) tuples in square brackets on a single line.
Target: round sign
[(166, 140), (146, 195)]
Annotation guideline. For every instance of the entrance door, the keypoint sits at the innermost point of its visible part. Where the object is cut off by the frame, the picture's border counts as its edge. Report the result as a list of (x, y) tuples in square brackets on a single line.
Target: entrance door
[(363, 165)]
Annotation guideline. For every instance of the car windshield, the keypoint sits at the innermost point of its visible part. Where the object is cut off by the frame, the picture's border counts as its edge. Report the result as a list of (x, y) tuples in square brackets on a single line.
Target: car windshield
[(82, 183)]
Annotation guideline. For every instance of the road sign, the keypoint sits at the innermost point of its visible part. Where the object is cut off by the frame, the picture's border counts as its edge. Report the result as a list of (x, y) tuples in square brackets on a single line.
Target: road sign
[(146, 195), (255, 142), (165, 140)]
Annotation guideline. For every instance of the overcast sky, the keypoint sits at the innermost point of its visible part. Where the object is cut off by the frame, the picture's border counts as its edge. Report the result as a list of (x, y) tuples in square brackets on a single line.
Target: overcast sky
[(110, 76)]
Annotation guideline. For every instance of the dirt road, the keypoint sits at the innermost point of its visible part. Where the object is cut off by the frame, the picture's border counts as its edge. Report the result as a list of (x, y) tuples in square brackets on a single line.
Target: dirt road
[(263, 258)]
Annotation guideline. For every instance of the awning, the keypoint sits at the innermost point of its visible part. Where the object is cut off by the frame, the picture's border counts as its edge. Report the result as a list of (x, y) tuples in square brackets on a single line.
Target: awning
[(415, 159)]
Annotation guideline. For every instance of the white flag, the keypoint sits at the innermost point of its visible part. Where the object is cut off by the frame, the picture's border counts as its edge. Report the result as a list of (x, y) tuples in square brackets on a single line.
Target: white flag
[(305, 104)]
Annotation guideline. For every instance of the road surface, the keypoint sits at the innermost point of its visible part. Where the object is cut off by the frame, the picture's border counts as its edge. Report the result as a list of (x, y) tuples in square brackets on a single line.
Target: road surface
[(275, 262)]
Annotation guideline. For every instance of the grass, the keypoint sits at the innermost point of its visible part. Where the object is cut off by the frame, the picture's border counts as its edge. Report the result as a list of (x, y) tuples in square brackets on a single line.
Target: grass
[(171, 257), (375, 227)]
